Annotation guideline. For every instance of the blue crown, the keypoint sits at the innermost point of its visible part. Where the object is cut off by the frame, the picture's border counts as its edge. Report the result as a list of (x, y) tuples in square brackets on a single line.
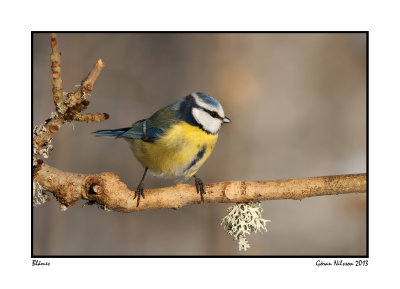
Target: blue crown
[(208, 99)]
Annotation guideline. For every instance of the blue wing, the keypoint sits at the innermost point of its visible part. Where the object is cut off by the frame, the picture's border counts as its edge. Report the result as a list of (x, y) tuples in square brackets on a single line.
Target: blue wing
[(149, 130), (144, 130)]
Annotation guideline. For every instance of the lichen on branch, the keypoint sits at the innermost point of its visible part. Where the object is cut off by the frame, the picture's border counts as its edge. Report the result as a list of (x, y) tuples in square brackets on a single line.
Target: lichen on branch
[(244, 219)]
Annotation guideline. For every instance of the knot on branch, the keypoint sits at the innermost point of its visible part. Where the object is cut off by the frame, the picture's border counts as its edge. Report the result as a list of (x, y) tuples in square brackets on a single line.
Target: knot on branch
[(54, 128), (106, 189), (95, 189)]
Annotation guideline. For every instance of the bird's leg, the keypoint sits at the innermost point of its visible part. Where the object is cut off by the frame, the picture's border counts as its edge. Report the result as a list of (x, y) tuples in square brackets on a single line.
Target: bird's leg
[(199, 187), (139, 191)]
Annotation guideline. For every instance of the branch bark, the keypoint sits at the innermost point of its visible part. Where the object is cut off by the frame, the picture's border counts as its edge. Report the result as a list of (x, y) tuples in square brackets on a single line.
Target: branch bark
[(108, 191)]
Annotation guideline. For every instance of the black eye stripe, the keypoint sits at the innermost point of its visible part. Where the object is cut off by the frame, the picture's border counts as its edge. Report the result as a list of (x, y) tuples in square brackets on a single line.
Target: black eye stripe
[(214, 114)]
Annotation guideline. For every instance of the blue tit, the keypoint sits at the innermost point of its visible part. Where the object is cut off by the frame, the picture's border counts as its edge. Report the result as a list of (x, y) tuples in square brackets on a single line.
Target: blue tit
[(176, 140)]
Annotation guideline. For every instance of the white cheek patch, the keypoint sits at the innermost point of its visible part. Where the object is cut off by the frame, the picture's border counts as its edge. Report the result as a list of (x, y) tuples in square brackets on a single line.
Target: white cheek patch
[(207, 106), (208, 122)]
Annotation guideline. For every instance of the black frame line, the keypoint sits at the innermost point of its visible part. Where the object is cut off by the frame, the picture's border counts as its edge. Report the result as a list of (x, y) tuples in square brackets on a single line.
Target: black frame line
[(33, 256)]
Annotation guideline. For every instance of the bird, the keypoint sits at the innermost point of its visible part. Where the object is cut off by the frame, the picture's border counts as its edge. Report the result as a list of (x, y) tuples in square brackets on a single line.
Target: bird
[(176, 140)]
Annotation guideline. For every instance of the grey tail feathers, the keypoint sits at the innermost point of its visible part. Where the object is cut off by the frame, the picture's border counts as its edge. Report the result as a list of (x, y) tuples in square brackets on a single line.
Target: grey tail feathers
[(111, 132)]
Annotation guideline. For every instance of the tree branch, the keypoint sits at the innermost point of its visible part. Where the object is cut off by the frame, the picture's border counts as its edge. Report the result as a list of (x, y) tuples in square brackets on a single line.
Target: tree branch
[(108, 191)]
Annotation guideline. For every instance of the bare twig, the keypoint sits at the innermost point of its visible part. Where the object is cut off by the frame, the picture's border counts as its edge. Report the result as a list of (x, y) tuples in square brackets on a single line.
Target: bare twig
[(87, 85), (108, 191), (70, 108), (55, 58)]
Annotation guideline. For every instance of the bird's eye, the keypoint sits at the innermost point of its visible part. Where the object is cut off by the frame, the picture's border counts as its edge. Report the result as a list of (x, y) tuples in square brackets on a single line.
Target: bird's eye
[(214, 114)]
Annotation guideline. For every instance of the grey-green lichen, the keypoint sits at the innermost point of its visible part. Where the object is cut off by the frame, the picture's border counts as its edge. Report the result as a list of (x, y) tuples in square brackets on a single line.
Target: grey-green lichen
[(244, 219), (39, 197), (243, 244), (46, 147)]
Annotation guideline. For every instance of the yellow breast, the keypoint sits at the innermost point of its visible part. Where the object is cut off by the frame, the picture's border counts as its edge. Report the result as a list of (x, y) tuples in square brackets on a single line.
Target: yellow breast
[(181, 151)]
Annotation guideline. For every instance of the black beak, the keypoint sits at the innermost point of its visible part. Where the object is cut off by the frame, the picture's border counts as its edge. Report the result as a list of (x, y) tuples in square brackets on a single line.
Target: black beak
[(226, 120)]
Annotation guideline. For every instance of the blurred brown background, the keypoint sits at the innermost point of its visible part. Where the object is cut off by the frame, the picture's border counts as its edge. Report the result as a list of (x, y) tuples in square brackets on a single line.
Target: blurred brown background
[(298, 108)]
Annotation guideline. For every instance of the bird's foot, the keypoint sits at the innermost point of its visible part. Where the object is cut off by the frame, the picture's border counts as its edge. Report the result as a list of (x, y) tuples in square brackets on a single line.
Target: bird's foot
[(139, 193), (199, 187)]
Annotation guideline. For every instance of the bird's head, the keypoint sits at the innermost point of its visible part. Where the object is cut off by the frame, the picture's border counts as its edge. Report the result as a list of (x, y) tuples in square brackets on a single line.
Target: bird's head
[(201, 110)]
